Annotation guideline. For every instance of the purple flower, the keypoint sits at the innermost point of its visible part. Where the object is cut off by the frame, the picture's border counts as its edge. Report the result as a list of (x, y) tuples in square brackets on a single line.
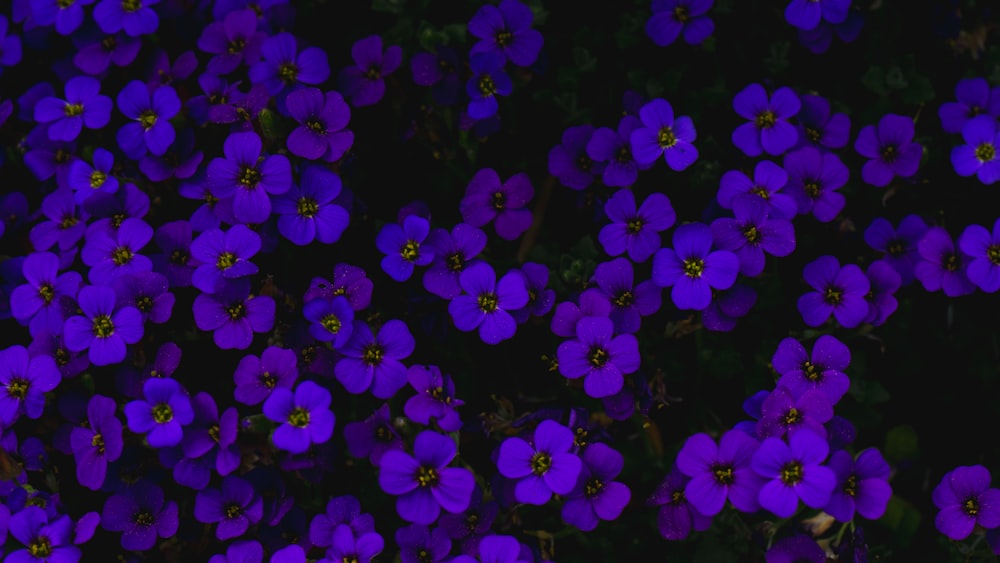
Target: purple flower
[(141, 514), (247, 177), (783, 412), (373, 436), (819, 127), (862, 485), (596, 496), (67, 17), (284, 65), (83, 106), (212, 436), (345, 547), (418, 544), (593, 303), (540, 299), (692, 268), (635, 231), (677, 516), (662, 134), (768, 130), (364, 83), (629, 301), (424, 482), (95, 52), (884, 282), (231, 41), (941, 265), (505, 30), (822, 370), (149, 115), (136, 17), (547, 466), (174, 239), (147, 292), (44, 300), (322, 119), (979, 155), (24, 381), (46, 542), (373, 361), (486, 199), (234, 508), (255, 377), (768, 180), (104, 328), (569, 161), (223, 256), (974, 98), (966, 499), (899, 246), (162, 414), (839, 291), (349, 281), (727, 306), (340, 511), (98, 444), (984, 249), (719, 472), (234, 315), (112, 255), (452, 253), (806, 14), (813, 181), (435, 398), (86, 180), (304, 416), (674, 18), (890, 148), (796, 549), (307, 212), (613, 150), (473, 524), (403, 247), (331, 319), (486, 303), (487, 82), (793, 471), (439, 71), (752, 233)]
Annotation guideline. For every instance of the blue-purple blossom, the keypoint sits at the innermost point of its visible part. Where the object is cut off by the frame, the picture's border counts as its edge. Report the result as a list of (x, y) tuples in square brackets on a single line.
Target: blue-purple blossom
[(543, 467), (304, 416), (283, 65), (599, 357), (141, 514), (942, 266), (233, 315), (364, 83), (223, 256), (692, 268), (966, 499), (434, 399), (767, 183), (822, 369), (487, 199), (505, 30), (973, 97), (983, 248), (680, 18), (487, 82), (793, 471), (322, 119), (768, 129), (97, 444), (633, 230), (862, 485), (898, 245), (890, 149), (978, 156), (596, 496), (372, 437), (24, 381), (149, 117), (487, 302), (104, 328), (423, 481), (136, 17), (807, 14), (663, 134), (569, 161), (247, 177), (83, 106), (676, 516), (752, 233), (838, 291), (453, 252), (234, 508), (720, 471), (813, 180), (373, 361)]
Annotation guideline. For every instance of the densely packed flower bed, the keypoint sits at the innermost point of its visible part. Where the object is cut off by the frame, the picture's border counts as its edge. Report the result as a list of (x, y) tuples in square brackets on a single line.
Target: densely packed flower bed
[(693, 280)]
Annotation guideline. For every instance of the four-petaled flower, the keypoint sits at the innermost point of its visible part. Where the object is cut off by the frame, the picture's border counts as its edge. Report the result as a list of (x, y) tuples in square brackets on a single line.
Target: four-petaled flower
[(486, 303), (304, 416), (692, 268), (543, 467), (424, 482)]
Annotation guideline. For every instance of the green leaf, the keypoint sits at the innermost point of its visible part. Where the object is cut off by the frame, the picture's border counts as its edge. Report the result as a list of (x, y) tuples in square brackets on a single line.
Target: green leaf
[(903, 519), (901, 444)]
